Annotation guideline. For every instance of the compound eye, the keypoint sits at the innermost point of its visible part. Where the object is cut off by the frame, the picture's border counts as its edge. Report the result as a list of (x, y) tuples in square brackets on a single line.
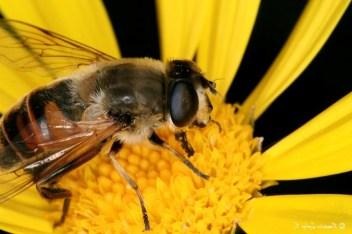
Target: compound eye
[(183, 103)]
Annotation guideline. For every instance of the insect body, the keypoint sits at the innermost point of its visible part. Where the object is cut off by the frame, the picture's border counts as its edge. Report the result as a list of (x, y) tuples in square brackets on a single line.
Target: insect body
[(56, 128)]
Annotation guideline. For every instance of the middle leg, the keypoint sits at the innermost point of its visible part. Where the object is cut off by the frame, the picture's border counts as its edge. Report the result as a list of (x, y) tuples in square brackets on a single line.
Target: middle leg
[(112, 155)]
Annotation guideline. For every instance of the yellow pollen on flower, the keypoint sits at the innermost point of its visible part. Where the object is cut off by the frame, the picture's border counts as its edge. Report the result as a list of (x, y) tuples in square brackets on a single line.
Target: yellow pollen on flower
[(177, 200)]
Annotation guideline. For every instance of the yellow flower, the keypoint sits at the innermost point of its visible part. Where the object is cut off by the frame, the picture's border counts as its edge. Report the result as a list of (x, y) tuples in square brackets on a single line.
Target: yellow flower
[(177, 200)]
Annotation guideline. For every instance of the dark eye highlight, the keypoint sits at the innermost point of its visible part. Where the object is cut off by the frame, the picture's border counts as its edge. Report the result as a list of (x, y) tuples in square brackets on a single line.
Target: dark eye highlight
[(183, 103)]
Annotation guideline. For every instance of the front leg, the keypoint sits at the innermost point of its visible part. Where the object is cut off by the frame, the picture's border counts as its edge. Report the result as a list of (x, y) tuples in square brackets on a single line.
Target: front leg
[(155, 139), (181, 137)]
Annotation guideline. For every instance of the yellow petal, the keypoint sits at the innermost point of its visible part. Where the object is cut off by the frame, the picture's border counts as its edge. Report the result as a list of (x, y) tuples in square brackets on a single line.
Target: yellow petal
[(11, 84), (30, 198), (299, 214), (6, 101), (86, 22), (314, 27), (28, 213), (23, 217), (181, 26), (320, 147), (225, 38), (21, 230), (22, 10)]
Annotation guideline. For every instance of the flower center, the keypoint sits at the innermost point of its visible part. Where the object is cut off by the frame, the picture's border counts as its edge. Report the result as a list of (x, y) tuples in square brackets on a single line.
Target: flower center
[(177, 200)]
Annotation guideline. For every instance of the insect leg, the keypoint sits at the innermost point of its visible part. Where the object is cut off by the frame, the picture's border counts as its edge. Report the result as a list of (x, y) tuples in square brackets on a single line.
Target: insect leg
[(56, 193), (155, 139), (182, 138), (115, 148), (45, 185)]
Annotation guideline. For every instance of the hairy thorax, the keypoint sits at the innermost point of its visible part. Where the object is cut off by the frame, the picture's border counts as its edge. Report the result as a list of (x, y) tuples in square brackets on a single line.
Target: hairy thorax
[(141, 129)]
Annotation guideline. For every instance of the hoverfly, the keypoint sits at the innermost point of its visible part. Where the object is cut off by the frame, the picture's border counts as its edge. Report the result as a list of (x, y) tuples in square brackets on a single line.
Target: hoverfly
[(107, 102)]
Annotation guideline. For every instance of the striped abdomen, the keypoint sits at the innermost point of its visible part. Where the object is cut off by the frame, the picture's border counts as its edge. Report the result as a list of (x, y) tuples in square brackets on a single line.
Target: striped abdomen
[(41, 118)]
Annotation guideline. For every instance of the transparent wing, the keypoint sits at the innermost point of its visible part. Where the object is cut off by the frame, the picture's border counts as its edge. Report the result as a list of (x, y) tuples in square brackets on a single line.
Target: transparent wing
[(12, 184), (29, 48), (68, 151)]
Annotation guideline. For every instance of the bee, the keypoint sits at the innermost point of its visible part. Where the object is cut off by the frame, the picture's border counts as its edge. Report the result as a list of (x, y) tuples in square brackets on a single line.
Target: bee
[(102, 103)]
